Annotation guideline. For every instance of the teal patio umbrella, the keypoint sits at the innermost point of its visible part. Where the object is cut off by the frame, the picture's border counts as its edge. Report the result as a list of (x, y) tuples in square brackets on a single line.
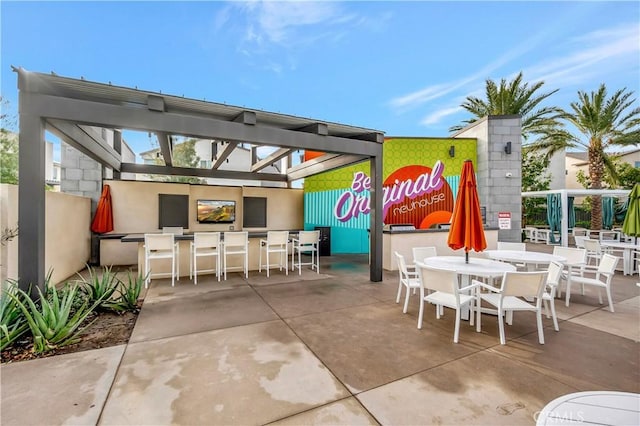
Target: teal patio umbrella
[(631, 224), (554, 215), (607, 212)]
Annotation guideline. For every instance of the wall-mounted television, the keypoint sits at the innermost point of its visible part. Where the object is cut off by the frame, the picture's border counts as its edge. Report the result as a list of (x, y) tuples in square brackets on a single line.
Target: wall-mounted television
[(216, 211)]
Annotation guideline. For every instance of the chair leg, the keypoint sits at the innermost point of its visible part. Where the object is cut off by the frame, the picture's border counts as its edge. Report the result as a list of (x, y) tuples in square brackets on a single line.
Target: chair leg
[(609, 298), (554, 316), (501, 327), (173, 271), (406, 302), (146, 271), (478, 314), (399, 291), (456, 332), (260, 261), (421, 312), (195, 270), (568, 295), (540, 329)]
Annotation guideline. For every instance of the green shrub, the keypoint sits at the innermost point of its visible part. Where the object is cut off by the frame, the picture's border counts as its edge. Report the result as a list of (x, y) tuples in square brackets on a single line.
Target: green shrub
[(51, 321), (13, 323)]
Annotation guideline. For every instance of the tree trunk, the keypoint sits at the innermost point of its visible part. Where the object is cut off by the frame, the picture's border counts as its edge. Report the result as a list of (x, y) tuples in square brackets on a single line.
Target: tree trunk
[(596, 170)]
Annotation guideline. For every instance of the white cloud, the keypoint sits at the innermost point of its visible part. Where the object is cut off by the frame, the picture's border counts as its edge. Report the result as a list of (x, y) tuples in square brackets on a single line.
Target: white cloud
[(437, 116), (587, 58)]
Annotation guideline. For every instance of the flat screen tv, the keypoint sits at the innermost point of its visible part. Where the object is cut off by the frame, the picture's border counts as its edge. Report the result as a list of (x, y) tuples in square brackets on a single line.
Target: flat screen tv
[(216, 211)]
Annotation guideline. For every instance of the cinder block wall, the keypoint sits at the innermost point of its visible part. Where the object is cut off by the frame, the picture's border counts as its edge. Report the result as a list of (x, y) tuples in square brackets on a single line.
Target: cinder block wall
[(499, 174)]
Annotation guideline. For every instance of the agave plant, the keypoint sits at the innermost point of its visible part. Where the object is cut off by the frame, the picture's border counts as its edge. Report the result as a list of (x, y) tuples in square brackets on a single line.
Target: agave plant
[(13, 323), (51, 320), (130, 292), (101, 287)]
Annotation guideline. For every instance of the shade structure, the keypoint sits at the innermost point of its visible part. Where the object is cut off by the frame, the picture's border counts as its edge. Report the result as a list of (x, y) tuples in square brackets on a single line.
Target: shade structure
[(466, 229), (103, 219), (631, 224)]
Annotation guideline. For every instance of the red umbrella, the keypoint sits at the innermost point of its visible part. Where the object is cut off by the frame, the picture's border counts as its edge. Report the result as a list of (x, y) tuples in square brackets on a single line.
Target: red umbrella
[(466, 223), (103, 219)]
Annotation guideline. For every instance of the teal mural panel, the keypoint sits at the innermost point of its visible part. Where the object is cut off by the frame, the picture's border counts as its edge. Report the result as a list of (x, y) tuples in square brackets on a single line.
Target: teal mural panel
[(454, 182), (318, 209), (346, 240)]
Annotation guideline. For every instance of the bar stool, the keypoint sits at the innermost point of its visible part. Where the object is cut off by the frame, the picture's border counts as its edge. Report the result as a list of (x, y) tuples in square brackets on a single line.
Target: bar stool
[(175, 230), (156, 247), (307, 242), (204, 244), (276, 242), (236, 243)]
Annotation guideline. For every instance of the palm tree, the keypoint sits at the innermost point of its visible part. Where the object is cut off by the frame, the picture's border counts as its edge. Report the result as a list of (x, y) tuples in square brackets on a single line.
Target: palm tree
[(602, 123), (514, 97)]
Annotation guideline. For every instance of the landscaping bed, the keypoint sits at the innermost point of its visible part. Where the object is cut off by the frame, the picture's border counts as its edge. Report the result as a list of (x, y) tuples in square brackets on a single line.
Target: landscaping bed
[(108, 329)]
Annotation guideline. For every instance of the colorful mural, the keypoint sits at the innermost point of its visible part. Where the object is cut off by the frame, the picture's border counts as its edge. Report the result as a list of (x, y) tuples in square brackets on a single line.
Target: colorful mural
[(420, 179)]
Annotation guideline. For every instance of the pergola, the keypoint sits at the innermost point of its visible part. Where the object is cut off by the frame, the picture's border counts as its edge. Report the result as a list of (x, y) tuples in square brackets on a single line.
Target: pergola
[(564, 197), (75, 109)]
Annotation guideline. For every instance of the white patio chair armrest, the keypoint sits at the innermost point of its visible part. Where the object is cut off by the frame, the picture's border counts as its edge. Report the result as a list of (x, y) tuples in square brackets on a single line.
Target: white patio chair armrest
[(470, 286), (480, 284)]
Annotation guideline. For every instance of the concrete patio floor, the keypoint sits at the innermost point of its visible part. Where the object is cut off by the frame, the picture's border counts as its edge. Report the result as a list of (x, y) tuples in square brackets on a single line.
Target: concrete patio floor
[(330, 348)]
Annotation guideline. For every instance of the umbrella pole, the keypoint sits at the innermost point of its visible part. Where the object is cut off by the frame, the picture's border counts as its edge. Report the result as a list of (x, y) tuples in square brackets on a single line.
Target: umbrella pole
[(466, 257)]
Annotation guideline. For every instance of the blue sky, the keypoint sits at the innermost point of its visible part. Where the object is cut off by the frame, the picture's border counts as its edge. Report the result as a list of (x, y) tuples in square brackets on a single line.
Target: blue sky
[(399, 67)]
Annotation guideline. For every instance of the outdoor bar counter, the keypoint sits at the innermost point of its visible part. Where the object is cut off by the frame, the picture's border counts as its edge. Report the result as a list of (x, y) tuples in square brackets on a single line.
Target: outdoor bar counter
[(184, 245), (403, 242)]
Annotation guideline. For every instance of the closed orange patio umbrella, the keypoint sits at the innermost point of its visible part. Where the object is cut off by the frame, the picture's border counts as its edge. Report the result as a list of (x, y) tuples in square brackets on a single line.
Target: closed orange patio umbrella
[(466, 229), (103, 219)]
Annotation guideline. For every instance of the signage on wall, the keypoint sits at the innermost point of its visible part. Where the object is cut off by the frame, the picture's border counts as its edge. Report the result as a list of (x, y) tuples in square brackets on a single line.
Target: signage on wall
[(504, 220), (412, 194)]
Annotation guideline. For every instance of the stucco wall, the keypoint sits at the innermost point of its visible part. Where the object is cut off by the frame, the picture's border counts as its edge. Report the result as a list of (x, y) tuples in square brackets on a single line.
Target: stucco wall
[(67, 237)]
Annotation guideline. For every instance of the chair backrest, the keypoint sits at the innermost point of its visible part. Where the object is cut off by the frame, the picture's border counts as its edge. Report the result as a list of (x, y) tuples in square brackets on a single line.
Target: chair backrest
[(580, 241), (402, 266), (206, 239), (236, 238), (554, 272), (608, 264), (592, 246), (175, 230), (277, 237), (572, 254), (511, 246), (154, 242), (524, 284), (308, 237), (579, 232), (435, 279), (421, 253)]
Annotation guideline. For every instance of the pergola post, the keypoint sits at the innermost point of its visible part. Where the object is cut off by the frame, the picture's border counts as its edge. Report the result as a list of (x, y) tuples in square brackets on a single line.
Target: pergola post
[(375, 243), (31, 200)]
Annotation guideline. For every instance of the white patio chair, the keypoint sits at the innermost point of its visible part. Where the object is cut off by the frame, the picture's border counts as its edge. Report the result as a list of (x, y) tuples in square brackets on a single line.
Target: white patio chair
[(444, 293), (509, 298), (276, 242), (204, 244), (407, 279), (307, 242), (576, 259), (421, 253), (158, 247), (554, 272), (602, 279), (594, 250), (236, 243), (579, 240), (530, 233)]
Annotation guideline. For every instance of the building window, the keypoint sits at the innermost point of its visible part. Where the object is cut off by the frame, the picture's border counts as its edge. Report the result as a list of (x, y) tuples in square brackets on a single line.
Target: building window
[(205, 164), (637, 165)]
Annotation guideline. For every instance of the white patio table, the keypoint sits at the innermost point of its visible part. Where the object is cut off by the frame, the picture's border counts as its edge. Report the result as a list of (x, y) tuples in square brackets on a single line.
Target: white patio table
[(593, 408), (529, 258), (480, 267), (628, 268)]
